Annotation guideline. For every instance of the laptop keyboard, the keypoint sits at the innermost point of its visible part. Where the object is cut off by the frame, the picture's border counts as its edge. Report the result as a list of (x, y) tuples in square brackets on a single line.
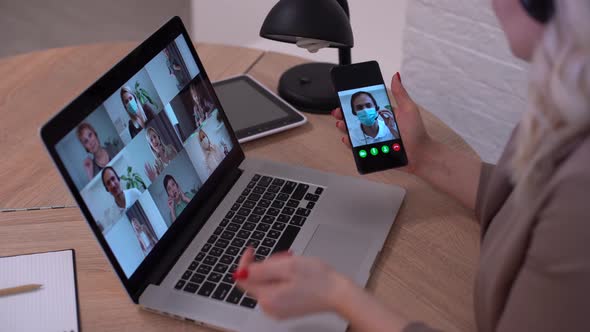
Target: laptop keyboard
[(266, 216)]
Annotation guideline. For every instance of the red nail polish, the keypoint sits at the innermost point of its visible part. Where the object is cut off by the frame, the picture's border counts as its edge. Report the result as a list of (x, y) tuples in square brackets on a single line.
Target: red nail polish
[(342, 139), (240, 274), (399, 77)]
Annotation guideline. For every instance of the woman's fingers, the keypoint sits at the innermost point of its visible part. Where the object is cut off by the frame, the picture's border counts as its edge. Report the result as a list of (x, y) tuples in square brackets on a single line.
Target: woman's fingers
[(346, 141), (404, 101), (341, 125), (337, 113), (247, 259), (277, 268), (263, 277)]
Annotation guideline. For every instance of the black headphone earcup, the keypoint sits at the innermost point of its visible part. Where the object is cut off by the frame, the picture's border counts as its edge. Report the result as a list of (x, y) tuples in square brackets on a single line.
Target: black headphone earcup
[(540, 10)]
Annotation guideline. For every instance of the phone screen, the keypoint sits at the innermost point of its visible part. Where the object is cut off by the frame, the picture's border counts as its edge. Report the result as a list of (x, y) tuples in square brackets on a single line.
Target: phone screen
[(369, 116)]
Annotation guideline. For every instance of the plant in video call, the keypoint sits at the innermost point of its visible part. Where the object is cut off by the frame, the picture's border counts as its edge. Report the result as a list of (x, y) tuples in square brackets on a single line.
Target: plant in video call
[(133, 179), (143, 95)]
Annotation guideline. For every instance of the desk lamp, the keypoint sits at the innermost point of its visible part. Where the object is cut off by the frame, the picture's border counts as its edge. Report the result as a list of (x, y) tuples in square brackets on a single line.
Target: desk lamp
[(311, 24)]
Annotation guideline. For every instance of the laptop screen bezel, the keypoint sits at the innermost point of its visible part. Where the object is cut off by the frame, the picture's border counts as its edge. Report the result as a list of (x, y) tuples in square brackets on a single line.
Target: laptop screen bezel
[(74, 113)]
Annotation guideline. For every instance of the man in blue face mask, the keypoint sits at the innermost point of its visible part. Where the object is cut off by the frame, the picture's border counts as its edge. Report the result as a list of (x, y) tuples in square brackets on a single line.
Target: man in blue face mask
[(376, 125)]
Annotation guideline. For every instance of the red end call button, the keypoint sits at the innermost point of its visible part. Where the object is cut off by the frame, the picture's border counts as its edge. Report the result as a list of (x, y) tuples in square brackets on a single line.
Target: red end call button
[(396, 147)]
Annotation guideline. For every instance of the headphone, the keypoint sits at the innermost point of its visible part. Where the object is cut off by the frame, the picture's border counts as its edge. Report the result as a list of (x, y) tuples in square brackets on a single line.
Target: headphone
[(540, 10)]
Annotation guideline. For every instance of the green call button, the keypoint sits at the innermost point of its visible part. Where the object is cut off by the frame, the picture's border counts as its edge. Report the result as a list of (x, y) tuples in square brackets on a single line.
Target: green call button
[(385, 149), (374, 151), (363, 153)]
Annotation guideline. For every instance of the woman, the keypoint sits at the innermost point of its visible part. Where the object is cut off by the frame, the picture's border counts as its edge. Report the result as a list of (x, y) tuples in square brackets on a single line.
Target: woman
[(139, 114), (174, 69), (534, 268), (202, 108), (177, 199), (101, 155), (162, 152), (376, 125), (146, 239), (213, 154)]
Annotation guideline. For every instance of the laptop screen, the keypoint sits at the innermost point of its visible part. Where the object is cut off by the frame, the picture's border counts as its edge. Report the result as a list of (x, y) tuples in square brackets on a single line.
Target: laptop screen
[(140, 157)]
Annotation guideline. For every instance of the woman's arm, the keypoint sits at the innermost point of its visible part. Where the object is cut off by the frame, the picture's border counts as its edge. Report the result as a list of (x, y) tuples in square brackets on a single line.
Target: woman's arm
[(453, 172), (551, 291), (289, 286), (363, 311)]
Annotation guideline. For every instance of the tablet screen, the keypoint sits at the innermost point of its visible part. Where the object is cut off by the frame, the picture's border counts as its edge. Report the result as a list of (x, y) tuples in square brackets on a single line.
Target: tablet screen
[(245, 106)]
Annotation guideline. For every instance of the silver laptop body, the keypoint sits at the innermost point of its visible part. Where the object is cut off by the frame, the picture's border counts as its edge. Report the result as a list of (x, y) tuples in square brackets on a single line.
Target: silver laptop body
[(347, 229)]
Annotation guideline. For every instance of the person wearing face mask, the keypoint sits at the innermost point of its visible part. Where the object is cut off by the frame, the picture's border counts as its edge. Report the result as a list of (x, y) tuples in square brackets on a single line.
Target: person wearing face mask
[(177, 199), (377, 125), (139, 114), (213, 154), (146, 239), (101, 155), (163, 153)]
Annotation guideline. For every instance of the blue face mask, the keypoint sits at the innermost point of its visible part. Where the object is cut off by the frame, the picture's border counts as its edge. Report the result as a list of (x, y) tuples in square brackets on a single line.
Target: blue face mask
[(132, 107), (367, 116)]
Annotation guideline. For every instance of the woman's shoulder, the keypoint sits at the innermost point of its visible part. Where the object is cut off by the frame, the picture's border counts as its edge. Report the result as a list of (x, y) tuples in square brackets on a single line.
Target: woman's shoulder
[(572, 172), (563, 225)]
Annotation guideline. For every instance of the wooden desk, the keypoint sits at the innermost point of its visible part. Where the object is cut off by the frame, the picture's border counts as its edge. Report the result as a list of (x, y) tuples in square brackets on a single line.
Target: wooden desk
[(427, 267)]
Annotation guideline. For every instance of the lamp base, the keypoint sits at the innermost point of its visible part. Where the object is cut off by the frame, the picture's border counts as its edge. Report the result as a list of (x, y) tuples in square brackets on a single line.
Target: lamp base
[(308, 87)]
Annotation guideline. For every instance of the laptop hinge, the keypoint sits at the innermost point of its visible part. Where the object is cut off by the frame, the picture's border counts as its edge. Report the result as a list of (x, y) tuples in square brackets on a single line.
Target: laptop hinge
[(174, 251)]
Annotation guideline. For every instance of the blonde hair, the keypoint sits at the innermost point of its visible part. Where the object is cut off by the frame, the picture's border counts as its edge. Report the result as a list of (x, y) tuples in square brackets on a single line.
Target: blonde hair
[(559, 95), (128, 90)]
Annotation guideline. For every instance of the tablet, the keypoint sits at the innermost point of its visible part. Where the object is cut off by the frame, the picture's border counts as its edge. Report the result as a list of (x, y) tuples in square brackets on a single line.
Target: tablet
[(253, 110)]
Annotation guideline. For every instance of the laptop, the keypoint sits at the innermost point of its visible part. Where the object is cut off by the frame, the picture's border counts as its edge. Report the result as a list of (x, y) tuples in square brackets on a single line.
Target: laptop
[(151, 159)]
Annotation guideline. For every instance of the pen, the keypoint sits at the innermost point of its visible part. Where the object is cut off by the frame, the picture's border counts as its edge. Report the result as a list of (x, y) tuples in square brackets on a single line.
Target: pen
[(19, 289)]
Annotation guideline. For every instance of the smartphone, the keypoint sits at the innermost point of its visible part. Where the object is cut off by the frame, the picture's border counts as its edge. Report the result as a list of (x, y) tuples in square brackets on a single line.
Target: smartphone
[(368, 114)]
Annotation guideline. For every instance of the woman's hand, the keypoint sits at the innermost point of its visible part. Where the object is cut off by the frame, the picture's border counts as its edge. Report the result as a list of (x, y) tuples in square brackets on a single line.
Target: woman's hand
[(414, 135), (184, 197), (88, 168), (289, 286), (150, 171), (171, 205), (389, 120)]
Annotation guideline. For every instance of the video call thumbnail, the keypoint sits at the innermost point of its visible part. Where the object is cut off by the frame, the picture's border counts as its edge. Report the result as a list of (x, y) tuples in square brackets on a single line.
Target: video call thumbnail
[(141, 157), (369, 115)]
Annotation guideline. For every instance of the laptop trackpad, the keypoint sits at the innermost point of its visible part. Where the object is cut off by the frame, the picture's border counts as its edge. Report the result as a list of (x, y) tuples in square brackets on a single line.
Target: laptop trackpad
[(341, 247)]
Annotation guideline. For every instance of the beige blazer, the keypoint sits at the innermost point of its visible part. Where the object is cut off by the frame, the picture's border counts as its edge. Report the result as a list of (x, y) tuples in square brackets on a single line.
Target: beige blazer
[(534, 269)]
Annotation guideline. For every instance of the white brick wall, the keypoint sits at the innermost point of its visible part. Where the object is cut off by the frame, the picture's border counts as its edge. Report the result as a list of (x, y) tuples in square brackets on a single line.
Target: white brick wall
[(457, 64)]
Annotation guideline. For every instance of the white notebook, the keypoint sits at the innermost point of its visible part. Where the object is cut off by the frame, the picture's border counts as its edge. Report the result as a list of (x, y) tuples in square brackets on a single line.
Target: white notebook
[(53, 307)]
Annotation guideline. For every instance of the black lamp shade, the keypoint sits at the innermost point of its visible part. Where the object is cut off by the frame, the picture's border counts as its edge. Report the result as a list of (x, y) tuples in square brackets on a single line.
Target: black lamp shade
[(316, 19)]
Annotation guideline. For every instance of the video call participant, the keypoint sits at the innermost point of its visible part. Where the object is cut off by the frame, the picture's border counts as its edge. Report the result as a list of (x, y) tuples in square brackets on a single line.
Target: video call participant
[(177, 199), (213, 153), (123, 198), (146, 239), (202, 107), (101, 155), (376, 125), (139, 114), (174, 69), (162, 152)]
